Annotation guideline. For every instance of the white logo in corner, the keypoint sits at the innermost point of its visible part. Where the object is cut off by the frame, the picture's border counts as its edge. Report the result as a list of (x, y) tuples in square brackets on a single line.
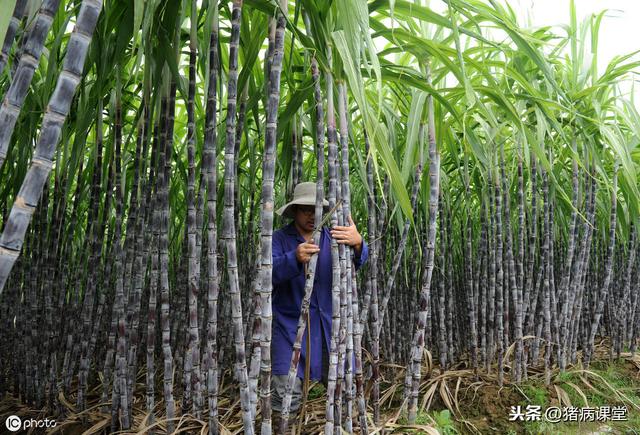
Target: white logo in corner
[(13, 423)]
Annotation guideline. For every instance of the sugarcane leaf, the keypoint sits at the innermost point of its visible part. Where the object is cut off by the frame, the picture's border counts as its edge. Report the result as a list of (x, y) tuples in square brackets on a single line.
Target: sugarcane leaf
[(378, 136), (5, 18), (413, 125)]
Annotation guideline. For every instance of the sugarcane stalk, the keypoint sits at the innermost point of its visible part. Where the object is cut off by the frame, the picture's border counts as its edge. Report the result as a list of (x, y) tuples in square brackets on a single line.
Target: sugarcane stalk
[(14, 23), (354, 349), (58, 108), (192, 360), (428, 264), (228, 224), (332, 421), (266, 227), (604, 289), (372, 291), (32, 50), (209, 163), (311, 268)]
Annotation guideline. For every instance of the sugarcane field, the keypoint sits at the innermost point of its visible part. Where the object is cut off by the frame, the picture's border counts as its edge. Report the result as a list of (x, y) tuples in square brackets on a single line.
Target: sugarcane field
[(319, 217)]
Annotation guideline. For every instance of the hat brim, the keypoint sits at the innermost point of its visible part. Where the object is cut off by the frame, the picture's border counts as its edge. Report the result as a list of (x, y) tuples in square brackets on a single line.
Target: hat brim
[(287, 209)]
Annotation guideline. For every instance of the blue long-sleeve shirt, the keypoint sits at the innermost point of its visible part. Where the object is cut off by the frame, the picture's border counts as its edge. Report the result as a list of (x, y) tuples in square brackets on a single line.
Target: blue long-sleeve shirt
[(288, 292)]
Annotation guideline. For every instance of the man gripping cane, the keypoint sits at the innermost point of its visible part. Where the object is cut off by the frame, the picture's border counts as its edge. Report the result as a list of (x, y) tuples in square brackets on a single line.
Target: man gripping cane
[(293, 248)]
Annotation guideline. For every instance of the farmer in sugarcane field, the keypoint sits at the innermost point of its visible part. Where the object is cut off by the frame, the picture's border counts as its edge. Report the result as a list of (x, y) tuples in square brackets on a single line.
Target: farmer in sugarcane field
[(293, 248)]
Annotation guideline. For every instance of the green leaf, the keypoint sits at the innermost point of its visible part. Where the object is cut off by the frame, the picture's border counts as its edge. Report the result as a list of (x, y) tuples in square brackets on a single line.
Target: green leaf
[(5, 18), (414, 118), (375, 129)]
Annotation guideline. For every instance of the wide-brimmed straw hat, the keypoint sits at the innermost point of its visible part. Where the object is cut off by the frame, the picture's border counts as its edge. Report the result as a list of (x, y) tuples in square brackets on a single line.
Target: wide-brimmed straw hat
[(303, 194)]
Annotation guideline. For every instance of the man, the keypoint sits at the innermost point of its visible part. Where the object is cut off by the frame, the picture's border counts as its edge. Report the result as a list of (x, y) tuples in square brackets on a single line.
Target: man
[(293, 248)]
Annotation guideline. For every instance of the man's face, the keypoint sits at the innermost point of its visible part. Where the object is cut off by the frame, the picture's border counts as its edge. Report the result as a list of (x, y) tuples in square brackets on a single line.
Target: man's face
[(305, 216)]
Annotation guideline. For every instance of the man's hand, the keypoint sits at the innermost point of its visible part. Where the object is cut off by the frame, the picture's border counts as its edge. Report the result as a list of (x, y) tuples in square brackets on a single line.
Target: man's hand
[(348, 235), (305, 251)]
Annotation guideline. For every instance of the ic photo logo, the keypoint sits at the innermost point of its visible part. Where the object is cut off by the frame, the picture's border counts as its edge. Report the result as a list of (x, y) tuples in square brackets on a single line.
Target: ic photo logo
[(13, 423)]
